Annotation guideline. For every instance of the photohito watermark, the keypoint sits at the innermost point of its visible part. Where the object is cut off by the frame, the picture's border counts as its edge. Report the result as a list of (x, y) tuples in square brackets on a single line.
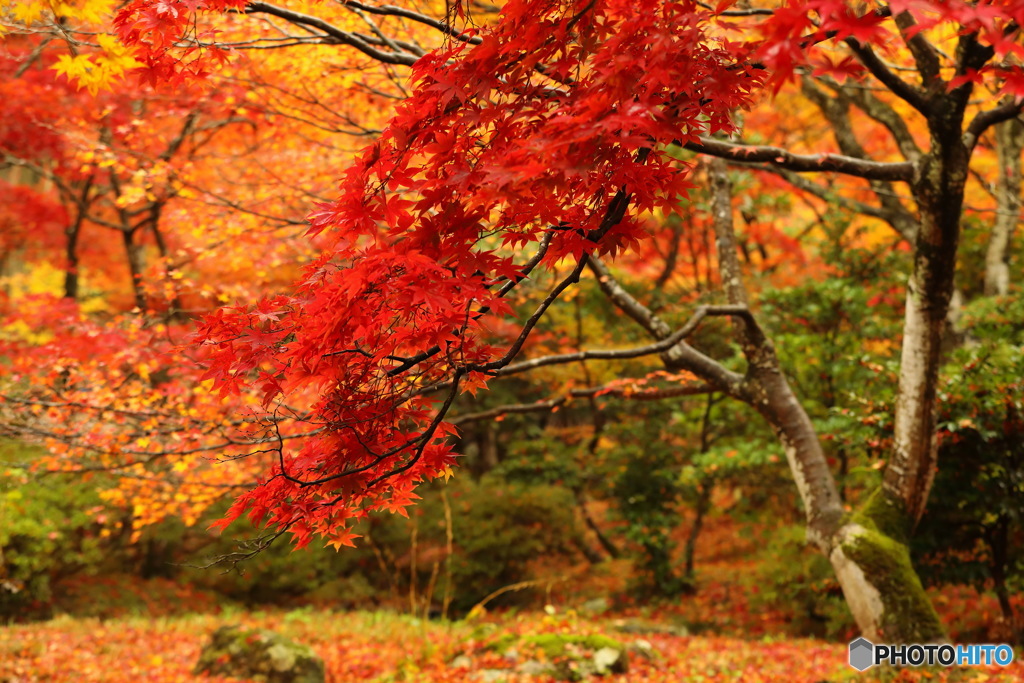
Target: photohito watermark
[(864, 654)]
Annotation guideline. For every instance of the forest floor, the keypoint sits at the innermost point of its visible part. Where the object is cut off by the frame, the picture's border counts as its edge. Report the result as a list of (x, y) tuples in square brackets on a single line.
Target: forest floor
[(380, 647), (154, 631)]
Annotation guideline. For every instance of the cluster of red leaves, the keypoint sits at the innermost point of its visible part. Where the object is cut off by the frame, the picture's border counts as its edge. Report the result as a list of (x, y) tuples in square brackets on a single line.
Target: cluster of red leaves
[(551, 133), (38, 223), (42, 100), (160, 28), (544, 134)]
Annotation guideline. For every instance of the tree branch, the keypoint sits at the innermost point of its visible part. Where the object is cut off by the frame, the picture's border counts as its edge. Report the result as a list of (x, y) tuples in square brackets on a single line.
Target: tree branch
[(681, 356), (392, 11), (647, 319), (984, 120), (823, 193), (837, 112), (635, 352), (881, 112), (331, 33), (914, 96), (614, 391), (925, 55), (804, 163)]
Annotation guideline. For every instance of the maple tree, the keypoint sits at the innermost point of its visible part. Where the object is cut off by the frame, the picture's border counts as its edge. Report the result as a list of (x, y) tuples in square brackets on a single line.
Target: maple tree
[(545, 143), (132, 210)]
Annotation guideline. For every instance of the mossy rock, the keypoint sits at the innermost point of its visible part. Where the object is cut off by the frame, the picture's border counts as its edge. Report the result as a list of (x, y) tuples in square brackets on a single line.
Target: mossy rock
[(569, 657), (643, 628), (259, 655)]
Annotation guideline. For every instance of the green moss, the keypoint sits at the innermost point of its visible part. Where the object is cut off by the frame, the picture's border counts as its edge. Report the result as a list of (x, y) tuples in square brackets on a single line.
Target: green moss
[(909, 615), (883, 555), (883, 513), (555, 644), (503, 643), (569, 657)]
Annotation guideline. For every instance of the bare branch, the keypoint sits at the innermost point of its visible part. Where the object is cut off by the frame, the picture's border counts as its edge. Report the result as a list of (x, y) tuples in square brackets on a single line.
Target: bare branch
[(804, 163), (391, 10), (837, 112), (925, 55), (821, 192), (331, 33), (881, 112), (914, 96), (661, 346), (548, 406), (647, 319), (750, 12), (990, 117), (681, 356), (511, 409)]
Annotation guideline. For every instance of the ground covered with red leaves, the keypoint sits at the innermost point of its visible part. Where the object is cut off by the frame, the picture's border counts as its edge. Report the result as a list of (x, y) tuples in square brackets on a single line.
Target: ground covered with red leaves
[(729, 634), (382, 647)]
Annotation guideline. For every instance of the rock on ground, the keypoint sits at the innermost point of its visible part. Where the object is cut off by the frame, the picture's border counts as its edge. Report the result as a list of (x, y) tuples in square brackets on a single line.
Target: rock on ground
[(260, 655)]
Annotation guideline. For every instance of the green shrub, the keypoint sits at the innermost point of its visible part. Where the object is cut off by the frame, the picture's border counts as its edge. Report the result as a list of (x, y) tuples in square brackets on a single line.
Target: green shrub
[(499, 530), (49, 530), (793, 578), (647, 493), (278, 574)]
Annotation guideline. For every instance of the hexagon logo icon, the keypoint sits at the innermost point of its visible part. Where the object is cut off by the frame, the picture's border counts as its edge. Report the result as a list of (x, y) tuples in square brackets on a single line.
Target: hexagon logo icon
[(862, 653)]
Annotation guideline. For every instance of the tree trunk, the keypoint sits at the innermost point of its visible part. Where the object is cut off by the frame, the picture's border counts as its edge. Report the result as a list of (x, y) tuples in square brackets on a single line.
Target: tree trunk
[(706, 486), (588, 519), (868, 550), (155, 212), (871, 559), (136, 266), (72, 232), (997, 537), (704, 489), (939, 191), (71, 254), (1009, 143)]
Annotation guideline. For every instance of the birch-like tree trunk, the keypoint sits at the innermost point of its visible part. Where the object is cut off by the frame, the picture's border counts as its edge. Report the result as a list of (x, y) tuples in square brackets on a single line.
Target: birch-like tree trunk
[(1009, 144), (868, 551)]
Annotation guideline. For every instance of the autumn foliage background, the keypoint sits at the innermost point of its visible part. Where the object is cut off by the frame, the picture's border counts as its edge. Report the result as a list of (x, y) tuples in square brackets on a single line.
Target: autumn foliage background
[(314, 305)]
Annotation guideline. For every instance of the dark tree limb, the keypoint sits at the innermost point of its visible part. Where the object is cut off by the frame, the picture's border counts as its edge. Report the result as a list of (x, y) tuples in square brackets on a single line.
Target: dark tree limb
[(331, 33), (880, 111), (926, 57), (804, 163), (913, 95), (836, 110), (986, 119)]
